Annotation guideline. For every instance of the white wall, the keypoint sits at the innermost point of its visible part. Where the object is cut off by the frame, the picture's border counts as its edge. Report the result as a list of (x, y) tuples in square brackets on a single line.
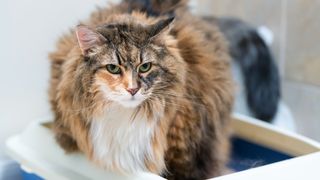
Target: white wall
[(28, 31)]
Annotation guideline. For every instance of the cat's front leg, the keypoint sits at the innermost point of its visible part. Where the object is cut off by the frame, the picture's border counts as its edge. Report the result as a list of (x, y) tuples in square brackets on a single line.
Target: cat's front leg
[(64, 139), (193, 150)]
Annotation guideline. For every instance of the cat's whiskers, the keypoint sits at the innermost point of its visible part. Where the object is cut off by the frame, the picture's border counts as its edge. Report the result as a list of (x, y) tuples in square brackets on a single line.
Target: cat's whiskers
[(179, 106), (181, 98)]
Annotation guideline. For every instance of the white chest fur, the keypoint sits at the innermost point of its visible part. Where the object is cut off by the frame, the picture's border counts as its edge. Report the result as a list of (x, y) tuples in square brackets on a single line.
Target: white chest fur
[(121, 142)]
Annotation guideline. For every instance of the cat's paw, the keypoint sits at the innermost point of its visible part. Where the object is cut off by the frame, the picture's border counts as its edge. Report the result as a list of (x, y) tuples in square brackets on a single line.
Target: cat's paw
[(67, 143)]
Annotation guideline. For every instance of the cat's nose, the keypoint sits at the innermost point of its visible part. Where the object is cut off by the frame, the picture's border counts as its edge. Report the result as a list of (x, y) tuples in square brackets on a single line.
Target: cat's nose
[(133, 91)]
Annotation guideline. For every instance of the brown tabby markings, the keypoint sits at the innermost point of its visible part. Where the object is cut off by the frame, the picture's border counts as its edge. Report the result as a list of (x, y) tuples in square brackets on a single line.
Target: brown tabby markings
[(190, 140)]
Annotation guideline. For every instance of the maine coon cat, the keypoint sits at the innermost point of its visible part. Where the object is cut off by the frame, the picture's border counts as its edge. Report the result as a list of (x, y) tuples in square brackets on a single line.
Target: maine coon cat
[(138, 90)]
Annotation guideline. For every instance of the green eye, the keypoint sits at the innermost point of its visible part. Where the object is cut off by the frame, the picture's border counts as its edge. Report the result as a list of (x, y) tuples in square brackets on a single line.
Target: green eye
[(113, 69), (145, 67)]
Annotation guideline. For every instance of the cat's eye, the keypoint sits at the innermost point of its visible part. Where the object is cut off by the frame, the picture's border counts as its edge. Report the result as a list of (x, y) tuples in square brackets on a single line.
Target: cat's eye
[(113, 69), (145, 67)]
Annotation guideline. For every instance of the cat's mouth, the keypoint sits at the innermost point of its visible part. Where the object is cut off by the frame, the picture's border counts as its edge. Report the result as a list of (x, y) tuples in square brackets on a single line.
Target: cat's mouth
[(131, 101)]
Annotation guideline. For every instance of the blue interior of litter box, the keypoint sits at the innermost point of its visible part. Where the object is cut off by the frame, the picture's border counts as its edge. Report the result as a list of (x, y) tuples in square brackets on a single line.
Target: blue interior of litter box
[(245, 155), (29, 176)]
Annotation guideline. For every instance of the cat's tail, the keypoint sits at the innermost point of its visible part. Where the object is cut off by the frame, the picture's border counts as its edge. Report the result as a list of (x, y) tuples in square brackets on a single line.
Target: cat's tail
[(156, 7), (260, 73)]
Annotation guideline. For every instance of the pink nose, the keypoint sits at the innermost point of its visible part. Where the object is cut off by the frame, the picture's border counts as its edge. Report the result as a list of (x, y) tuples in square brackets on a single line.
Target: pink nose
[(133, 91)]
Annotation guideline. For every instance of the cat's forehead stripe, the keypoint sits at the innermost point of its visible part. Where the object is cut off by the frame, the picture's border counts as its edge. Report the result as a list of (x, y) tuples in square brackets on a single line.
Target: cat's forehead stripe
[(117, 34), (128, 55)]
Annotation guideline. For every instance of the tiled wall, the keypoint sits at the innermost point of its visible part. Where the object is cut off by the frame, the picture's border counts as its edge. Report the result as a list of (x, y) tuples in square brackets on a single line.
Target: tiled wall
[(269, 13), (303, 41), (296, 28)]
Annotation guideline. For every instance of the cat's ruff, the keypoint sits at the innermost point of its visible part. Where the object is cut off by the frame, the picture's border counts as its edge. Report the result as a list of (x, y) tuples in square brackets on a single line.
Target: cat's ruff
[(122, 139)]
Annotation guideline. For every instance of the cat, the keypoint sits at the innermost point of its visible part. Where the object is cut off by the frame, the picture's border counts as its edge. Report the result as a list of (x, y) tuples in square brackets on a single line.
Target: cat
[(255, 72), (136, 89)]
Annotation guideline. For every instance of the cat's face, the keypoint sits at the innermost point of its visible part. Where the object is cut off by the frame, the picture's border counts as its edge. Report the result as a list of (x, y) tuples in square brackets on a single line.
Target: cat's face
[(129, 75), (132, 66)]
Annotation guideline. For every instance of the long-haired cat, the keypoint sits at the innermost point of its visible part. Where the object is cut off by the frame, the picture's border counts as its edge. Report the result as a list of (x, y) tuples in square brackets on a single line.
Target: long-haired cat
[(137, 90)]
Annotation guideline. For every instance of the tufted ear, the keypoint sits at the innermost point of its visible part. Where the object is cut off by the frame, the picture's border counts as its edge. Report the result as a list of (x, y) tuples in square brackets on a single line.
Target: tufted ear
[(88, 39), (160, 27)]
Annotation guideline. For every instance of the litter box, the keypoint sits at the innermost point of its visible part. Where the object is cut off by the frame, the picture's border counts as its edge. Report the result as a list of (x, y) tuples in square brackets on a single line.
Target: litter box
[(259, 151)]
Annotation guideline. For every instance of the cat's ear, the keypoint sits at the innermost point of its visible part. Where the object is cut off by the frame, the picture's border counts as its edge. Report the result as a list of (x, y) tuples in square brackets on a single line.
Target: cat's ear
[(160, 27), (88, 38)]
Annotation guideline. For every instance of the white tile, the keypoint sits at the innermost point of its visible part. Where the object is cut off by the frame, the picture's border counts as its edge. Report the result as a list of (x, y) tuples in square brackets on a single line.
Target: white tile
[(304, 101)]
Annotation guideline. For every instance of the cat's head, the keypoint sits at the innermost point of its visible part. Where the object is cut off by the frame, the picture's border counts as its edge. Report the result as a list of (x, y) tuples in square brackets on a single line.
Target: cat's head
[(132, 62)]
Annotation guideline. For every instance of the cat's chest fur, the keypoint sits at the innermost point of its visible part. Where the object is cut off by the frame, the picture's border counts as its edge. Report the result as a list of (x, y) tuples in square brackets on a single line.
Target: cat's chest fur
[(122, 141)]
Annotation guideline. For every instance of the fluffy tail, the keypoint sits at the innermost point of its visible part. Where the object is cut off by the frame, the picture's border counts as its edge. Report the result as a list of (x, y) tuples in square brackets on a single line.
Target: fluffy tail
[(156, 7), (261, 76)]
